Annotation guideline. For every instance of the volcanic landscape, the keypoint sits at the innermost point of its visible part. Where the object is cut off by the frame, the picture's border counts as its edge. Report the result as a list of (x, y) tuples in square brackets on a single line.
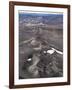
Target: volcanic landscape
[(40, 45)]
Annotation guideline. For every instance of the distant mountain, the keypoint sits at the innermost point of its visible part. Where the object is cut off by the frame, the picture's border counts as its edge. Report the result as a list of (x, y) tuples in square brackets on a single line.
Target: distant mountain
[(50, 19)]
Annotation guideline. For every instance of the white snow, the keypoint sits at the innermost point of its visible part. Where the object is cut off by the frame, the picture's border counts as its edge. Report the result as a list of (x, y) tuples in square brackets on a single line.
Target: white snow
[(53, 50), (29, 59), (50, 51)]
